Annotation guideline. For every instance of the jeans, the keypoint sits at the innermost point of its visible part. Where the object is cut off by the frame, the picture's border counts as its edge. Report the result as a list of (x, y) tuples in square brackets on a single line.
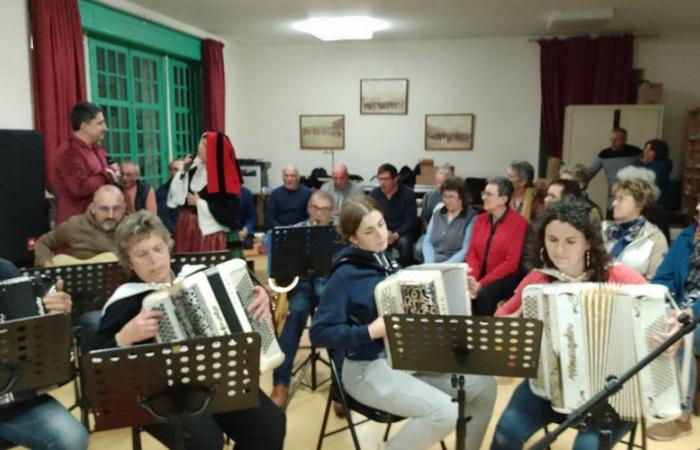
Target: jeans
[(487, 299), (42, 423), (301, 301), (693, 374), (404, 246), (527, 413), (259, 428), (425, 398)]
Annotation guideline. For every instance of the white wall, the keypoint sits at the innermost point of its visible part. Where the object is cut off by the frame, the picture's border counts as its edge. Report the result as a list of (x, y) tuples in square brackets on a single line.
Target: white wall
[(496, 79), (15, 77), (675, 62)]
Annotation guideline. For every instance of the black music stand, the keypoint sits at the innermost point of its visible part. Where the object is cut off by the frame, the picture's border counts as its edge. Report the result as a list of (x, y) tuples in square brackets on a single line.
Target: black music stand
[(460, 345), (305, 252), (35, 354), (90, 285), (145, 384)]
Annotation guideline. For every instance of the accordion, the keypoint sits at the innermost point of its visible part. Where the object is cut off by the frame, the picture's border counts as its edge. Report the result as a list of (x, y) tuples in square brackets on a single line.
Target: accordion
[(437, 289), (213, 302), (21, 297), (592, 330)]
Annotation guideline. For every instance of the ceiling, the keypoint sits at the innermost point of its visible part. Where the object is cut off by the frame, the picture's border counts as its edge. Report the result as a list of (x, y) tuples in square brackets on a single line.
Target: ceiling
[(268, 22)]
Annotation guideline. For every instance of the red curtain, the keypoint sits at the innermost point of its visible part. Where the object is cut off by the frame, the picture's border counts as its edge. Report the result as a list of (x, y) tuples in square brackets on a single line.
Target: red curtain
[(59, 71), (581, 71), (213, 86)]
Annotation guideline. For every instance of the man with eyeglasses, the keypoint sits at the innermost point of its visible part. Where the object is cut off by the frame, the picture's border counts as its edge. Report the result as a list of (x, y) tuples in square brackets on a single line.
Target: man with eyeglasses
[(88, 234), (302, 300)]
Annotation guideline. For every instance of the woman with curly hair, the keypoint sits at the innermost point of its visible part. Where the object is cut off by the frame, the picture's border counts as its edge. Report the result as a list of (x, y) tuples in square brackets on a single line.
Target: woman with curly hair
[(568, 248)]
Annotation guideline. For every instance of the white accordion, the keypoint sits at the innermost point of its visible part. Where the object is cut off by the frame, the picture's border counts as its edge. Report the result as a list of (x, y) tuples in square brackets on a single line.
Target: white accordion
[(213, 302), (592, 330), (437, 289)]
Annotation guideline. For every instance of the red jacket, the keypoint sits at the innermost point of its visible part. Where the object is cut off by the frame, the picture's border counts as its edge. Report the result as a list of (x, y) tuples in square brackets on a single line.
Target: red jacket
[(499, 246), (80, 171)]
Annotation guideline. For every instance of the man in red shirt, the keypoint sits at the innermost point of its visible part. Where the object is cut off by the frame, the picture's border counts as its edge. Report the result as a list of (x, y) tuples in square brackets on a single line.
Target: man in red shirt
[(82, 164), (495, 249)]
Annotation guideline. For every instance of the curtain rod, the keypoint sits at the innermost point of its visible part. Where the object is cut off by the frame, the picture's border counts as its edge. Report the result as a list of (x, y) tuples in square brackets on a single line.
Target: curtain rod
[(564, 36)]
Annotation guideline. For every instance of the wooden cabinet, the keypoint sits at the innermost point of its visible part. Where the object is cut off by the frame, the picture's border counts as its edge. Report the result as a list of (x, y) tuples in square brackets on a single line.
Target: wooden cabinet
[(691, 162)]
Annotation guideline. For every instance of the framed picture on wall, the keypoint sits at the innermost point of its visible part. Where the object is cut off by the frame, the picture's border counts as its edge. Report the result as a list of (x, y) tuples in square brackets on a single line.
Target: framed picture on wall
[(322, 131), (449, 131), (384, 96)]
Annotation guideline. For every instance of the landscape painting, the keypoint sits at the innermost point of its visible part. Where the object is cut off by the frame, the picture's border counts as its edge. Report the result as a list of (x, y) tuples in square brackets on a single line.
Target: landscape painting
[(449, 131)]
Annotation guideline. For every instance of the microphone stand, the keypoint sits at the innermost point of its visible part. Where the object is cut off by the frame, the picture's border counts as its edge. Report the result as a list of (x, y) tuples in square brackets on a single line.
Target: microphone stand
[(604, 414)]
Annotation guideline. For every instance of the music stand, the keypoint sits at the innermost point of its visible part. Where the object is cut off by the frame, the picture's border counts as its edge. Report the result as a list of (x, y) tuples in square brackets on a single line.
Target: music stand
[(461, 345), (145, 384), (303, 252), (35, 354)]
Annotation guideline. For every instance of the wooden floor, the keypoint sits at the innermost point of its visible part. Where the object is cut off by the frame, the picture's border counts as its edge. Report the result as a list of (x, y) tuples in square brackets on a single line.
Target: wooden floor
[(305, 413)]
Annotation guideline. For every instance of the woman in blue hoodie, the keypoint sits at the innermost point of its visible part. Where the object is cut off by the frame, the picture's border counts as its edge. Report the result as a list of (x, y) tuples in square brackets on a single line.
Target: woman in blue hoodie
[(347, 320)]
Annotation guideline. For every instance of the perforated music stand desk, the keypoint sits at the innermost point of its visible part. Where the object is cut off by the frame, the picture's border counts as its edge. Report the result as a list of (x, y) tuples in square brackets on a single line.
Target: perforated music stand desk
[(302, 252), (145, 384), (35, 353), (464, 345), (90, 285)]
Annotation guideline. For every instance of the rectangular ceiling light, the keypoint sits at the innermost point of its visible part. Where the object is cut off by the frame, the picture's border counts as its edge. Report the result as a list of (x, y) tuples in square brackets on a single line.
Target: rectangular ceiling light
[(341, 28)]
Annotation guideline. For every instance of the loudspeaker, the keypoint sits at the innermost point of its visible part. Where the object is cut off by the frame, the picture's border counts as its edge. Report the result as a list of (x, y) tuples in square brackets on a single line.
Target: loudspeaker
[(23, 208)]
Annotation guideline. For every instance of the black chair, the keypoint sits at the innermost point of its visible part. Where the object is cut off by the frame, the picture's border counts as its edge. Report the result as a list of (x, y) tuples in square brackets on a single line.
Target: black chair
[(337, 393)]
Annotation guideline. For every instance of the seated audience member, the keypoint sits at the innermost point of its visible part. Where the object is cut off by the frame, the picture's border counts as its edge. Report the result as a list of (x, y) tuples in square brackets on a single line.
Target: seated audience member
[(85, 235), (654, 212), (302, 300), (450, 228), (496, 248), (560, 189), (208, 191), (620, 154), (247, 218), (341, 188), (655, 158), (433, 198), (526, 200), (144, 250), (287, 203), (81, 166), (680, 272), (168, 215), (567, 248), (630, 238), (40, 422), (579, 174), (137, 193), (400, 212), (346, 321)]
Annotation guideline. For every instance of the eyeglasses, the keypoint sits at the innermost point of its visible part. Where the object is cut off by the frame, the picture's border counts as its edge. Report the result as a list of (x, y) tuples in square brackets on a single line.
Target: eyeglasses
[(321, 208), (116, 209)]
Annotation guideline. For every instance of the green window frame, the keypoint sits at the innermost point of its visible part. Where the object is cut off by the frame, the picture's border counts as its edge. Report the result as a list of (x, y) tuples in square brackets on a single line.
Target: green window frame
[(147, 78)]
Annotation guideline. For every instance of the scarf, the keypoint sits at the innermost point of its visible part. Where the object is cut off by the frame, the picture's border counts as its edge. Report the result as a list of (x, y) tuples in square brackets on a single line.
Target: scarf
[(223, 173), (624, 233)]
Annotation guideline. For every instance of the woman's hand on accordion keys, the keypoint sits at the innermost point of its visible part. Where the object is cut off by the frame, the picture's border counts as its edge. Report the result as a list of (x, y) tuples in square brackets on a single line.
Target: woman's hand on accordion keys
[(57, 301), (260, 307), (142, 327)]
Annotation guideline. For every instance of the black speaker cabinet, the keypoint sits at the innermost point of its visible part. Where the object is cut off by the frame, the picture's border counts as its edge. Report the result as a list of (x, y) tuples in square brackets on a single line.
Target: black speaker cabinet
[(23, 207)]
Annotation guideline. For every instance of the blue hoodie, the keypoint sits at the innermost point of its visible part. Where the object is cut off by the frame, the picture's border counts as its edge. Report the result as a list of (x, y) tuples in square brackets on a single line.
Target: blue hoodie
[(674, 269), (347, 306)]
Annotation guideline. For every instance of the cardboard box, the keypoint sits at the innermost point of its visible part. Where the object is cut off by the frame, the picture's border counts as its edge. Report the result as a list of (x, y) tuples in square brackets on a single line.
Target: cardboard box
[(650, 93)]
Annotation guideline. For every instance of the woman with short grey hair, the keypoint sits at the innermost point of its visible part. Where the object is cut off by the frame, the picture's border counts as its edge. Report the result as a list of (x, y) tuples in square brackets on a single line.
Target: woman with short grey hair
[(526, 200)]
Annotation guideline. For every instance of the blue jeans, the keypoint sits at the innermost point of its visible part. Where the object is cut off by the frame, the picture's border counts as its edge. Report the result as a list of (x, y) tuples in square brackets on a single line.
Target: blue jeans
[(527, 413), (306, 295), (42, 423)]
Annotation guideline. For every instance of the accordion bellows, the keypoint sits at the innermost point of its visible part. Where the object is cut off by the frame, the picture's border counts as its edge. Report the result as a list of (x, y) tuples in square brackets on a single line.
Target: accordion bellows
[(210, 303), (437, 289), (593, 330)]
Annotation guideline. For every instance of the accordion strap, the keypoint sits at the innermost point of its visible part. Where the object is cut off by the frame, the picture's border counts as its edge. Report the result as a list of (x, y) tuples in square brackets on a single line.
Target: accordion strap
[(687, 356)]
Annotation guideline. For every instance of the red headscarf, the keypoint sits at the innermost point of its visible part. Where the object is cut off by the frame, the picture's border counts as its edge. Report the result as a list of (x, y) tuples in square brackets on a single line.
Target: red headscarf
[(223, 173)]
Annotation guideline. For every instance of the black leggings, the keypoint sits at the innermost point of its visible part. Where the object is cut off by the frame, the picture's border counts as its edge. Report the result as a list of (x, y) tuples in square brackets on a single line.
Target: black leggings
[(259, 428), (488, 297)]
